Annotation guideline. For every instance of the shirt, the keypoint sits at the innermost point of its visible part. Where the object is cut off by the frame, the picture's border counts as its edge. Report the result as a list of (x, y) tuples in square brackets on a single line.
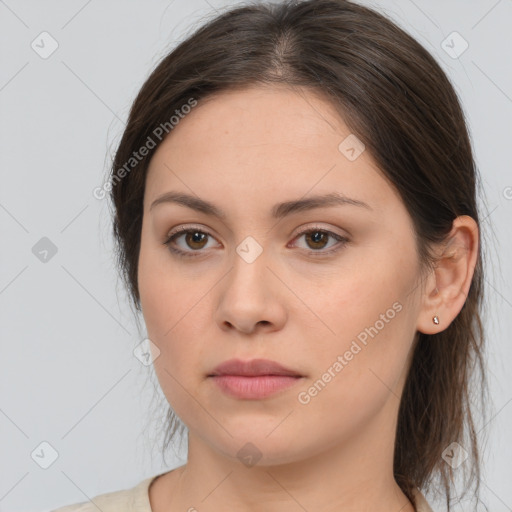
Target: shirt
[(136, 499)]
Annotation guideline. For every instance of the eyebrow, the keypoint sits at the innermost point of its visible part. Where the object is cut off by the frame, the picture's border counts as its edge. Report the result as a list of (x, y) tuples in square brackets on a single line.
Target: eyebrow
[(279, 210)]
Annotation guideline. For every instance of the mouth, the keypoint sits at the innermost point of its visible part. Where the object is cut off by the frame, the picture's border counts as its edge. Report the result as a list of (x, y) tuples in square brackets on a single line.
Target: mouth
[(253, 368), (255, 379)]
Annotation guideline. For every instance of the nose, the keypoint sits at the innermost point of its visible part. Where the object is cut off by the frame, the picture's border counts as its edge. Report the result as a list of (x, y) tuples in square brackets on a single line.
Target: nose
[(251, 298)]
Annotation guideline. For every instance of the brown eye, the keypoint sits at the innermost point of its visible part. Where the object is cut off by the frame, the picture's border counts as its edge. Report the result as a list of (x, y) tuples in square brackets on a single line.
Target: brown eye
[(194, 241), (318, 239)]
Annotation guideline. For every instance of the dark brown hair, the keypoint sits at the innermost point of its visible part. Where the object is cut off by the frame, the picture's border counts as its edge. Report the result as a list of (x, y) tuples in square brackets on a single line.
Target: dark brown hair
[(393, 95)]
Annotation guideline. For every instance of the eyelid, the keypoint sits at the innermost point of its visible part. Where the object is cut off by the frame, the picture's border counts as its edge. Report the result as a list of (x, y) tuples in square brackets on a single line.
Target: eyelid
[(182, 229), (319, 227), (341, 239), (186, 228), (300, 231)]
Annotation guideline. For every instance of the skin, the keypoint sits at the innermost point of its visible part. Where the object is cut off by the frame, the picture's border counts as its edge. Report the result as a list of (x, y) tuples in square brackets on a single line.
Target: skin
[(301, 310)]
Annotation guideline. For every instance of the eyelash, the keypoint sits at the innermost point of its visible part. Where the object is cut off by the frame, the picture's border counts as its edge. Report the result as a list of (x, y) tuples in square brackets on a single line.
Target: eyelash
[(192, 254)]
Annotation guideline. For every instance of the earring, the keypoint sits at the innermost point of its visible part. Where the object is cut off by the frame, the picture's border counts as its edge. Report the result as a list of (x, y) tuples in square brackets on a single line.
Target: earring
[(435, 318)]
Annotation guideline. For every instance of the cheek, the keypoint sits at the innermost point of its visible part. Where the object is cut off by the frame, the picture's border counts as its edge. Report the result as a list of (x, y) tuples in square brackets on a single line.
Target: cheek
[(158, 288), (371, 316), (357, 375), (169, 327), (370, 297), (168, 289), (154, 301), (173, 319)]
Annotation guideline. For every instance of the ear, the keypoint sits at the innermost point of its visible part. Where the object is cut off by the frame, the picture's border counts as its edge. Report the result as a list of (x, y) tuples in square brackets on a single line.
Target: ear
[(448, 286)]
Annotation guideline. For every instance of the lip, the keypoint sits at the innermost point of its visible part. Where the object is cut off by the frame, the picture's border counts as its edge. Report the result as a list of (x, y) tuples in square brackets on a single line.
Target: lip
[(255, 379), (253, 368)]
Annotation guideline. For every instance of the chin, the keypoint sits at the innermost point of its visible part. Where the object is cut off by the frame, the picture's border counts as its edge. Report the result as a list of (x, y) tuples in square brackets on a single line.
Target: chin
[(256, 447)]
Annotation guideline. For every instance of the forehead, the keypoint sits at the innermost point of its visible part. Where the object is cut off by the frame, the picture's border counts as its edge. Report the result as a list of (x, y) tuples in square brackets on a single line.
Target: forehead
[(256, 114), (261, 140)]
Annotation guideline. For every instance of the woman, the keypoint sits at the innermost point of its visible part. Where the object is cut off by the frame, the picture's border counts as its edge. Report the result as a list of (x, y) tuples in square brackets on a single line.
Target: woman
[(296, 219)]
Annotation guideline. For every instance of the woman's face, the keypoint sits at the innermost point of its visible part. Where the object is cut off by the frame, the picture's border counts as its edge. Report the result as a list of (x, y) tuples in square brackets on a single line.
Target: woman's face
[(330, 292)]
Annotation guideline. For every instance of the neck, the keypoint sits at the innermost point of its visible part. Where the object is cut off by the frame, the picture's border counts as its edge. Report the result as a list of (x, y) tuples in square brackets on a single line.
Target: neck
[(352, 476)]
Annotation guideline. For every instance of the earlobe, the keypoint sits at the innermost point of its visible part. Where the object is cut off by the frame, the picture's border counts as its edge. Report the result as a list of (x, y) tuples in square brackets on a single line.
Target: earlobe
[(448, 286)]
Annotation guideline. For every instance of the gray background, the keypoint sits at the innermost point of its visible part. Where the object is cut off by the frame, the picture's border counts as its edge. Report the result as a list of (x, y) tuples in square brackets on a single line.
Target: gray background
[(68, 374)]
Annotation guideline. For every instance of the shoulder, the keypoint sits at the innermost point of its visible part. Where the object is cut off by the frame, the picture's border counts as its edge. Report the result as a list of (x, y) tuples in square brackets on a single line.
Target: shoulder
[(134, 499), (421, 503)]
